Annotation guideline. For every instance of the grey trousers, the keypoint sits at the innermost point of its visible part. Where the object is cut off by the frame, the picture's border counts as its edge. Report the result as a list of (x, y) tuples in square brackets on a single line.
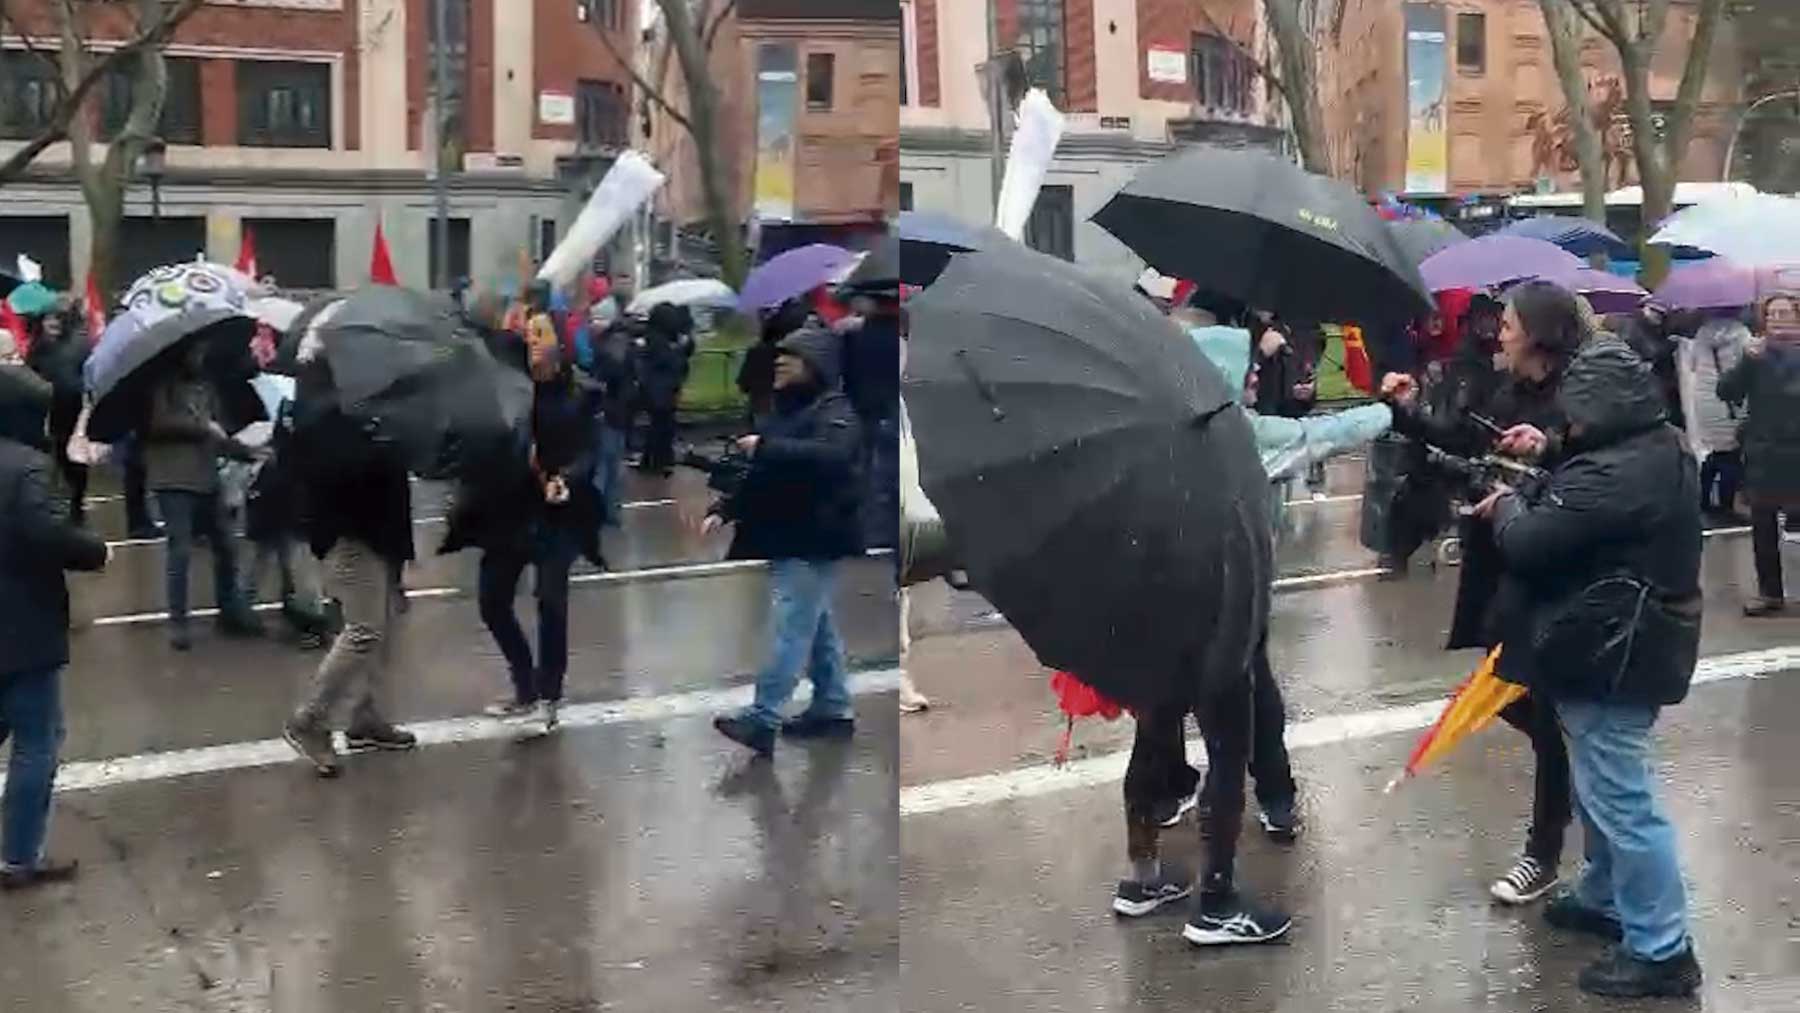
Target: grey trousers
[(353, 673)]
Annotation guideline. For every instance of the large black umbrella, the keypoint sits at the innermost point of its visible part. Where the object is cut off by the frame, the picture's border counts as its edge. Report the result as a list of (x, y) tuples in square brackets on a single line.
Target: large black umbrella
[(1419, 238), (928, 241), (403, 364), (1094, 473), (1267, 233)]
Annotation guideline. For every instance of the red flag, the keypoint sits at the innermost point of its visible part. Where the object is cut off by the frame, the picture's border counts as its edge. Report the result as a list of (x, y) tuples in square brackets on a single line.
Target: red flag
[(381, 265), (1357, 368), (1184, 290), (95, 308), (1077, 699), (9, 321), (246, 261)]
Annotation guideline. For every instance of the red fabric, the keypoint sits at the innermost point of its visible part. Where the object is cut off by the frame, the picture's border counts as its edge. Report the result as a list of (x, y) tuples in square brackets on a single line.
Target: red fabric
[(598, 289), (10, 321), (95, 307), (1184, 290), (1357, 367), (829, 309), (246, 261), (1452, 304), (1079, 700), (381, 265)]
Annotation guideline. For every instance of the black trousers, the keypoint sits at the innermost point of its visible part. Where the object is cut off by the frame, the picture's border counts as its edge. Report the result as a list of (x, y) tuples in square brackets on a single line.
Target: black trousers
[(1269, 765), (1765, 547), (1551, 802), (659, 442), (1158, 749), (137, 500), (1721, 476)]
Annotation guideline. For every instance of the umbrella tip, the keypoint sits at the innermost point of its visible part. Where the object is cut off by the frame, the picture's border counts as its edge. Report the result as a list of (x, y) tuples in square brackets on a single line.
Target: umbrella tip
[(1393, 782)]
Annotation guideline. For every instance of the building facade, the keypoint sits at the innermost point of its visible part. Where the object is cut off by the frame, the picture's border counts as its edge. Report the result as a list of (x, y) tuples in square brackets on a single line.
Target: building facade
[(1134, 78), (312, 121)]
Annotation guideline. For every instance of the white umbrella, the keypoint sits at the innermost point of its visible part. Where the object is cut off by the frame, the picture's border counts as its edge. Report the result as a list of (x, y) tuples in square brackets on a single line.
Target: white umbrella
[(1762, 230), (275, 311), (709, 293)]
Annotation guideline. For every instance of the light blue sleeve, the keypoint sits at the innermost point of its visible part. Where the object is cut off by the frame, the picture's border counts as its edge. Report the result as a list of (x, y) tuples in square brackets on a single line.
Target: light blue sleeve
[(1289, 446)]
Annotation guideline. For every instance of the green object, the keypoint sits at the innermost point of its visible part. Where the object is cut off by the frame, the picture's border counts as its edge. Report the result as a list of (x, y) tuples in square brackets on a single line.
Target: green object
[(31, 299)]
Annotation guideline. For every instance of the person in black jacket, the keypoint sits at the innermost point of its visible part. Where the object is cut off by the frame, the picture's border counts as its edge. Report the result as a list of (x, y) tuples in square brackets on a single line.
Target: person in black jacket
[(613, 367), (1767, 381), (37, 544), (799, 506), (1607, 630), (58, 354), (1541, 329), (663, 356)]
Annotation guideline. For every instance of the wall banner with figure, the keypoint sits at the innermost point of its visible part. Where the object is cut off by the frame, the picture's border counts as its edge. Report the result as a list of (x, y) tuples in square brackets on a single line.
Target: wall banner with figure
[(1427, 140), (777, 91)]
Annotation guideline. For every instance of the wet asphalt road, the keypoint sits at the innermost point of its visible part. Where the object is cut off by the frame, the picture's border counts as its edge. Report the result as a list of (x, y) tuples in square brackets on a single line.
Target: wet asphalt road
[(1008, 866)]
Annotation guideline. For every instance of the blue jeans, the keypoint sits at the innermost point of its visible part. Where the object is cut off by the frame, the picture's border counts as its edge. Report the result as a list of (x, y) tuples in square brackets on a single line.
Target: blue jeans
[(609, 469), (805, 636), (190, 514), (31, 715), (1632, 871)]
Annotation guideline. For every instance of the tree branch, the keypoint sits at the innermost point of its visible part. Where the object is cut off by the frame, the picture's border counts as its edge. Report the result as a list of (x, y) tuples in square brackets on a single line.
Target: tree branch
[(31, 46), (1693, 77), (1598, 17), (712, 31), (1257, 65), (650, 91)]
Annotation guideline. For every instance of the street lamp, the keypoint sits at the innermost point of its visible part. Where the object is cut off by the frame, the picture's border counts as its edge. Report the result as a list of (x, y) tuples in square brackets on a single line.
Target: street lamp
[(1731, 148), (152, 162)]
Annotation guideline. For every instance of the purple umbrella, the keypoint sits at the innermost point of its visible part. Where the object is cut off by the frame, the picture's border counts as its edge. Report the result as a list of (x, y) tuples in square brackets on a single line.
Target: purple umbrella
[(1715, 284), (1494, 260), (1605, 292), (793, 273)]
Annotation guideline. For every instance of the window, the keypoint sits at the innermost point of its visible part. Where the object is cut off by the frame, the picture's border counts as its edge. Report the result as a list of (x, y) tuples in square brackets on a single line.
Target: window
[(1221, 73), (546, 238), (180, 123), (601, 115), (300, 252), (821, 68), (146, 243), (906, 197), (1471, 43), (459, 249), (1051, 227), (43, 238), (27, 96), (1041, 45), (284, 105), (604, 13)]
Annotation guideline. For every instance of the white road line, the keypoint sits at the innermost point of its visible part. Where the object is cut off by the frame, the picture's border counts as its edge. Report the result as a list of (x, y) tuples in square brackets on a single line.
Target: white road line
[(1322, 500), (87, 775), (1031, 782)]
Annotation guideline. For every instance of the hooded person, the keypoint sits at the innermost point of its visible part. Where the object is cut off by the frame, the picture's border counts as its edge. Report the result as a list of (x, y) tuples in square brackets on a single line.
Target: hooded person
[(1605, 627), (799, 507), (663, 356)]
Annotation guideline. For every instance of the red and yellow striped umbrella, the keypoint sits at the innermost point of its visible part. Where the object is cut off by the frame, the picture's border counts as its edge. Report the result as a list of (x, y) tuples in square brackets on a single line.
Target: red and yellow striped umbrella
[(1474, 704)]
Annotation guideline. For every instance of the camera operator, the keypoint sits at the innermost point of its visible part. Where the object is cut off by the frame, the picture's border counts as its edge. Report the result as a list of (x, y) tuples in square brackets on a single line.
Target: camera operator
[(799, 506), (1540, 331)]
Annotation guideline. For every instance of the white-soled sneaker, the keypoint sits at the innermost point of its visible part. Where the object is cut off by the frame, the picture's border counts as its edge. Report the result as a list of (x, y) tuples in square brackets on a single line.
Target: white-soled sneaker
[(1525, 882)]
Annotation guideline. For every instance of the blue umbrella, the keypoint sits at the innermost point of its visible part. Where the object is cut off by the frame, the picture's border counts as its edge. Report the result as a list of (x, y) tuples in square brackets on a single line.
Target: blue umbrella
[(1579, 236), (795, 272)]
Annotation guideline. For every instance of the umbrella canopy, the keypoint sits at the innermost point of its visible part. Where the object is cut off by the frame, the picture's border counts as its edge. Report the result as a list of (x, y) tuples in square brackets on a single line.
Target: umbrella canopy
[(1756, 231), (275, 311), (1605, 292), (163, 309), (1267, 233), (1578, 236), (710, 293), (1472, 707), (1419, 238), (1144, 560), (1715, 284), (789, 274), (402, 363), (879, 271), (1496, 260), (928, 241)]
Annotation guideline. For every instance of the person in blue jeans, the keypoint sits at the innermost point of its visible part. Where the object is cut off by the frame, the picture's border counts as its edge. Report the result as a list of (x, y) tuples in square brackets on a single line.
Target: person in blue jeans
[(799, 507), (37, 544), (1604, 567)]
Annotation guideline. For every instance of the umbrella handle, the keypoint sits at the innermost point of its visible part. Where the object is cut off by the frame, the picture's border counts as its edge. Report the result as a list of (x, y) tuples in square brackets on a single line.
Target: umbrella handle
[(982, 387)]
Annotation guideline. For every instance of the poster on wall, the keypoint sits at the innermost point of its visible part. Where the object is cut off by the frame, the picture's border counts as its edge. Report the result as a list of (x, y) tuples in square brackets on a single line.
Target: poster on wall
[(777, 90), (1427, 141)]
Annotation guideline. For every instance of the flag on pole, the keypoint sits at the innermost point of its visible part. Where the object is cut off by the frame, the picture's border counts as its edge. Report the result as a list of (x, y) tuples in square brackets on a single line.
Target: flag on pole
[(381, 264), (246, 259), (1357, 368), (1474, 704)]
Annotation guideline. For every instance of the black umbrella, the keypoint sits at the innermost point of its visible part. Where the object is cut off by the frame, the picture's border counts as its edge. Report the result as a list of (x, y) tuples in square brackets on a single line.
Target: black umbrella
[(1268, 233), (879, 271), (403, 364), (1094, 472), (928, 241), (1419, 238)]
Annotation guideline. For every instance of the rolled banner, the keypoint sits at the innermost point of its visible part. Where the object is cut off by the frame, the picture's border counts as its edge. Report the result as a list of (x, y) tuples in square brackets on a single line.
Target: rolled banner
[(1033, 146), (628, 184)]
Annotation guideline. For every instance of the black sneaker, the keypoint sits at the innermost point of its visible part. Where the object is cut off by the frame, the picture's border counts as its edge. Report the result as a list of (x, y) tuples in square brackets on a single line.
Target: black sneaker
[(1525, 882), (240, 624), (818, 726), (1281, 821), (1134, 899), (1571, 915), (1169, 813), (1622, 975), (179, 637), (381, 737), (746, 732), (144, 532), (20, 877), (1224, 920)]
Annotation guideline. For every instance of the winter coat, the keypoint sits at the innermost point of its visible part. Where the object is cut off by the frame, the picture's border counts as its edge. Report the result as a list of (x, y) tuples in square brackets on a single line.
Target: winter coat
[(1712, 421), (353, 486), (756, 377), (181, 451), (61, 362), (872, 368), (1769, 388), (24, 405), (802, 495), (37, 544), (1607, 556)]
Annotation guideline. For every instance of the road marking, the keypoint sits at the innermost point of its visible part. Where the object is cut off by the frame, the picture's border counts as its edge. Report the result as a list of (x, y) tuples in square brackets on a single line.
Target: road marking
[(1109, 768), (648, 574), (87, 775), (1322, 500)]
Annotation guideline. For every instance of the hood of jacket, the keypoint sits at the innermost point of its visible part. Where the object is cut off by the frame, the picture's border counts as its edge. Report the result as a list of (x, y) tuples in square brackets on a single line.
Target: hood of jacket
[(821, 350), (1228, 348), (1609, 392)]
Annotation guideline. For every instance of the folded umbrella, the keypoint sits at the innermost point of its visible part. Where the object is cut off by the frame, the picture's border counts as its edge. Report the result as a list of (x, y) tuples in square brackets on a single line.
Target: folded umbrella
[(1264, 231), (1496, 260), (1715, 284), (1474, 705), (1578, 236), (1755, 231), (798, 270), (1419, 238), (1095, 475)]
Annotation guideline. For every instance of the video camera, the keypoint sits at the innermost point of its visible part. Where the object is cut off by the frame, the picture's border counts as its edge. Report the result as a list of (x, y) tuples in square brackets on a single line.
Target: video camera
[(725, 473), (1476, 477)]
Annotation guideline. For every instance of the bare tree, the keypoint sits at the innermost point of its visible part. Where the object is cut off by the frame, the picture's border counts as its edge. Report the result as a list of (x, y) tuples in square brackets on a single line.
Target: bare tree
[(693, 26), (1295, 26), (1566, 29), (1635, 29)]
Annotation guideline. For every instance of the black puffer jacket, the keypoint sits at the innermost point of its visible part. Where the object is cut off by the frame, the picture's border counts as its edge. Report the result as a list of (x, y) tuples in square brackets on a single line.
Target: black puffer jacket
[(1607, 556), (802, 496), (1769, 385), (353, 487)]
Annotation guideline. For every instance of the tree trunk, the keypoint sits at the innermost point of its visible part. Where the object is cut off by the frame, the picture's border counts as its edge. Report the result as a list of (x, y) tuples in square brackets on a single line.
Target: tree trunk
[(703, 117), (1299, 65), (1656, 174), (1566, 28)]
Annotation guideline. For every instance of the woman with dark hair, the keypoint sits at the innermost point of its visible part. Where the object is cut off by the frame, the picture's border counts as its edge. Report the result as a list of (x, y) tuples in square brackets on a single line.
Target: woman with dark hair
[(58, 355), (1541, 329)]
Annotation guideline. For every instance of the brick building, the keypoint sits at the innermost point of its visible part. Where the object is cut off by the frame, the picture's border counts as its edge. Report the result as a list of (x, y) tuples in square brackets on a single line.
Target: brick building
[(1134, 78), (311, 120)]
